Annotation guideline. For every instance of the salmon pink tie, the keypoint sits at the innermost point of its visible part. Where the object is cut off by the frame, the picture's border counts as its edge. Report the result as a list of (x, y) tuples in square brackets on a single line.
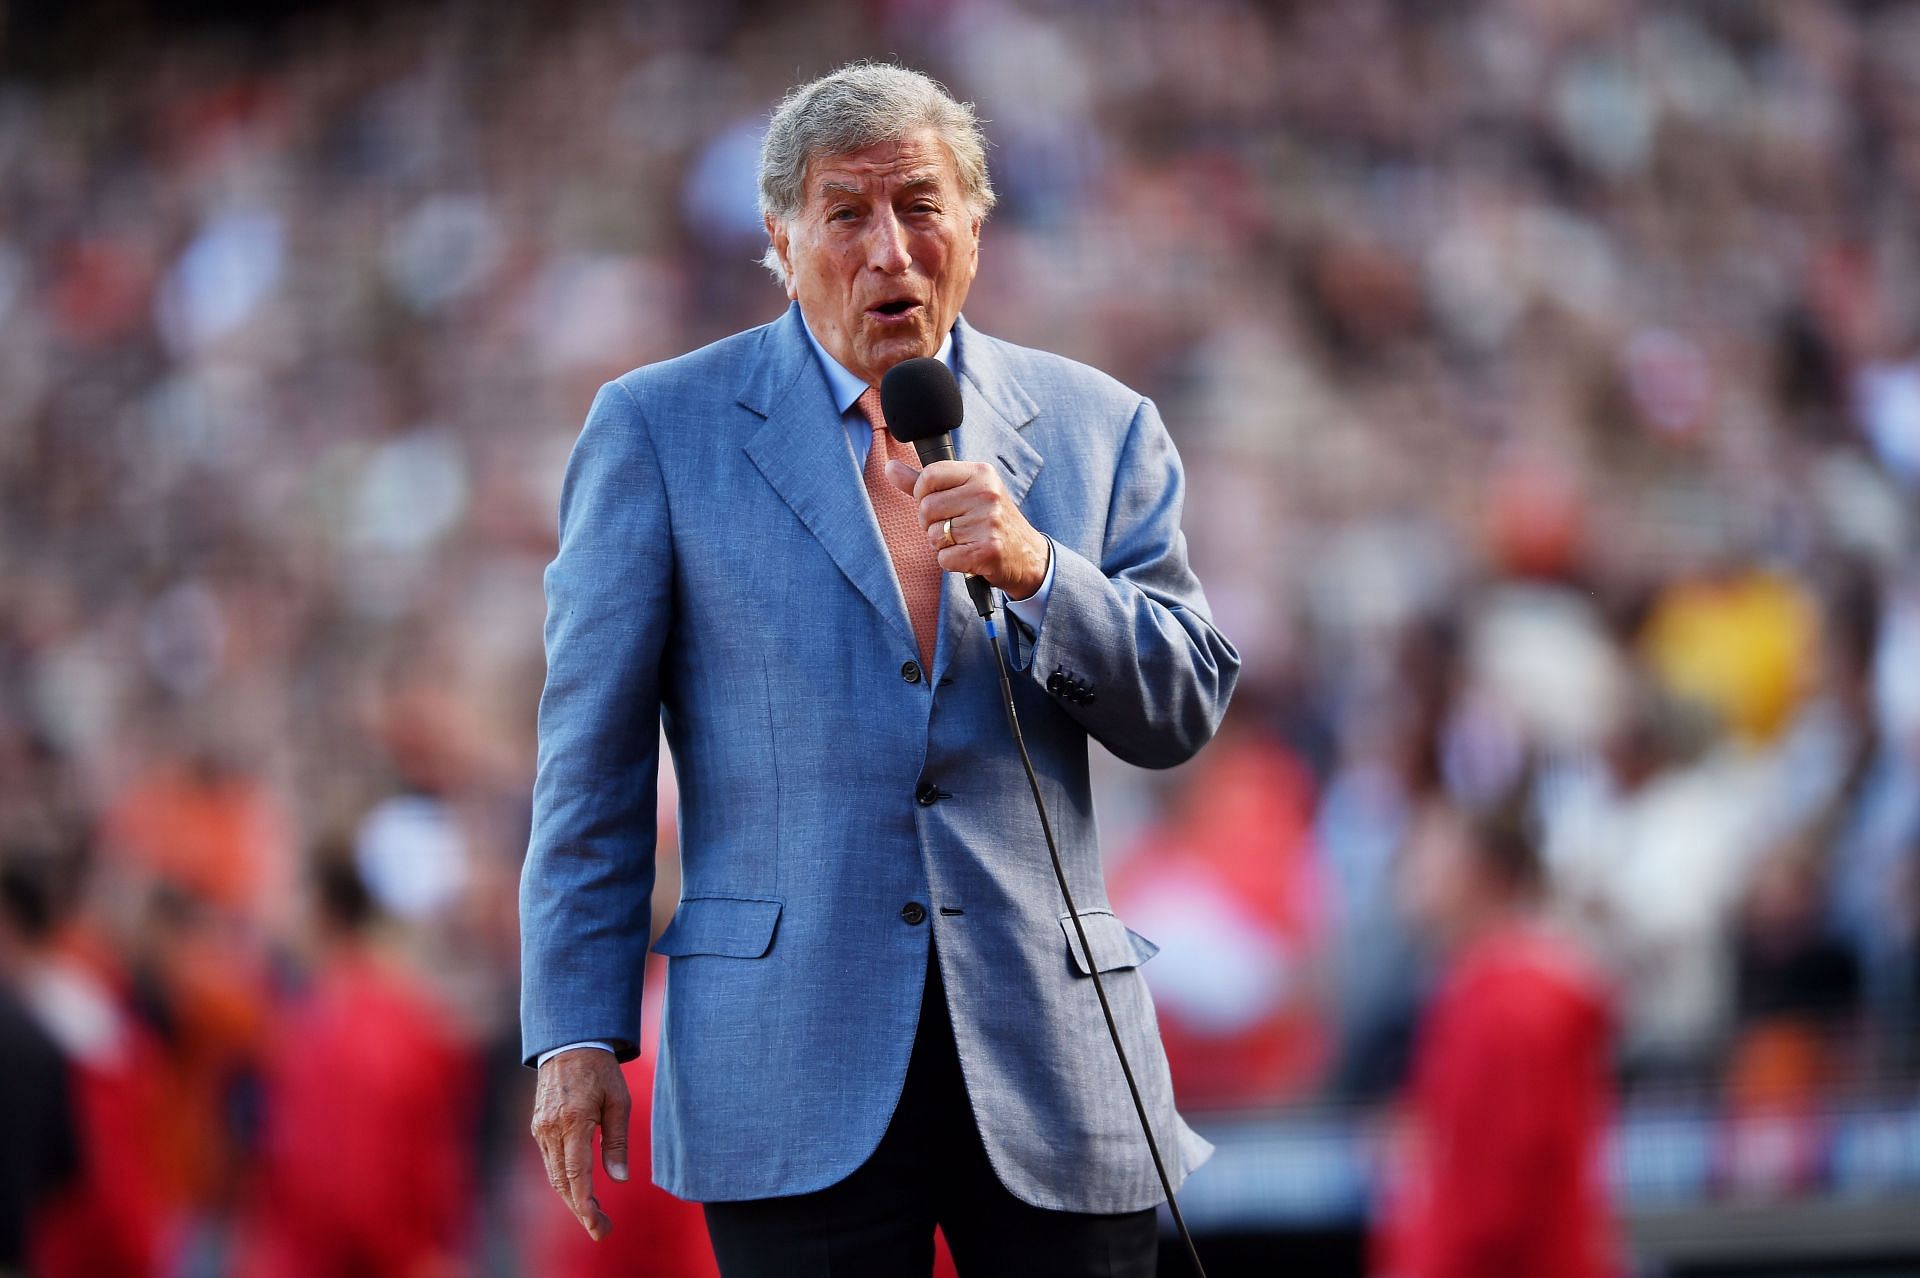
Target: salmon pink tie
[(914, 562)]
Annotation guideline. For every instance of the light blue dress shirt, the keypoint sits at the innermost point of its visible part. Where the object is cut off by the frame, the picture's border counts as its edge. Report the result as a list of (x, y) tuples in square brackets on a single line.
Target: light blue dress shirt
[(847, 390)]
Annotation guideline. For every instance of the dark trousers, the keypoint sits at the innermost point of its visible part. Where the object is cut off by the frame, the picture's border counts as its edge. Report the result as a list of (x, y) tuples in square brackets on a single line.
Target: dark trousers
[(930, 1169)]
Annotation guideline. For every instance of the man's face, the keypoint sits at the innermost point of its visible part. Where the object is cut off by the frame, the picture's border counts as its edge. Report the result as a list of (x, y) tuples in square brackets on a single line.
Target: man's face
[(881, 253)]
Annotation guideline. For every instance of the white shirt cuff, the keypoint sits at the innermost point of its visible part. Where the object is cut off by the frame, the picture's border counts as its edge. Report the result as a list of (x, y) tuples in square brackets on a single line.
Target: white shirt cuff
[(1033, 609), (546, 1056)]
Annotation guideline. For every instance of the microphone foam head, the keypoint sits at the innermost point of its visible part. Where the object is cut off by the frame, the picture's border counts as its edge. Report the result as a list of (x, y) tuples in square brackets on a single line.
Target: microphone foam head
[(920, 400)]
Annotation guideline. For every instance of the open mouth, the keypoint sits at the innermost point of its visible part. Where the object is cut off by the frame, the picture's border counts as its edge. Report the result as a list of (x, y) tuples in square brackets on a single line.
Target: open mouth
[(894, 308)]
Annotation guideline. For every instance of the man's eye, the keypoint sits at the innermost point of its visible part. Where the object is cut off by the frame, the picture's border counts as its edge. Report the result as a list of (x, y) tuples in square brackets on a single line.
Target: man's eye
[(840, 215)]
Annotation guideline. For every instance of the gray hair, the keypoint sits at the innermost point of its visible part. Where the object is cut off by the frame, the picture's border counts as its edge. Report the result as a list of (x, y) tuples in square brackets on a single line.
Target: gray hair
[(853, 108)]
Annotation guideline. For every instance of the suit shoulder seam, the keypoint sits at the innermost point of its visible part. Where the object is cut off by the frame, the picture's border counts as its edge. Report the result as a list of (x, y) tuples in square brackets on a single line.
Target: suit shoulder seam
[(653, 452)]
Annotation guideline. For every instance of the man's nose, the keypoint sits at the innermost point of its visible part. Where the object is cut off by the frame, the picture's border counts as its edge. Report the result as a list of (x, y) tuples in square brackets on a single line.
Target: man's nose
[(887, 250)]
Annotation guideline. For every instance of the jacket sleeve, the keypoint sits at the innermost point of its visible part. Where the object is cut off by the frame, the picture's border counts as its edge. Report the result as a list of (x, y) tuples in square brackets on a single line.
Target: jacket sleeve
[(585, 887), (1127, 647)]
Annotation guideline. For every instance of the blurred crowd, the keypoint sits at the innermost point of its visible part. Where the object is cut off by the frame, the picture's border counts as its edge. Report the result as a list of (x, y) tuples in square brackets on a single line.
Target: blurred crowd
[(1548, 378)]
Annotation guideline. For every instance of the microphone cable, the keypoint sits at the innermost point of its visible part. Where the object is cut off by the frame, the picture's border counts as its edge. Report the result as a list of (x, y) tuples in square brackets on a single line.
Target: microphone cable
[(922, 405), (983, 603)]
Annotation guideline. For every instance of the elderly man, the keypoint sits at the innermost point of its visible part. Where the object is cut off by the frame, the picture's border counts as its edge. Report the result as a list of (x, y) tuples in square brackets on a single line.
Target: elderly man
[(876, 1020)]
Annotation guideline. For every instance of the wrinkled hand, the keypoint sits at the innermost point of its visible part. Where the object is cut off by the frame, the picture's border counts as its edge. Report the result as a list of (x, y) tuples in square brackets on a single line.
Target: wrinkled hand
[(991, 538), (576, 1092)]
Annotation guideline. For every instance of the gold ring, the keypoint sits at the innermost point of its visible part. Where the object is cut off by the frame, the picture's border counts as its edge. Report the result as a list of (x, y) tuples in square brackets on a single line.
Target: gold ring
[(946, 532)]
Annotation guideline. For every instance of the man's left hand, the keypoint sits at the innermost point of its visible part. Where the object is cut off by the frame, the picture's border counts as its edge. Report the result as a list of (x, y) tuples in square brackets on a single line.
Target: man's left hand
[(991, 538), (577, 1091)]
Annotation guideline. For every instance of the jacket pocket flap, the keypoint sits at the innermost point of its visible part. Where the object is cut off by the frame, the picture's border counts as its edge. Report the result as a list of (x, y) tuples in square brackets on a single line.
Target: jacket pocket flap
[(1115, 945), (737, 927)]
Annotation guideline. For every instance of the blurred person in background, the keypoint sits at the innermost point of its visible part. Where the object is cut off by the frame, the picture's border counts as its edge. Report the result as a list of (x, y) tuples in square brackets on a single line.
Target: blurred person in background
[(120, 1212), (1227, 884), (1798, 991), (1499, 1167), (39, 1140), (362, 1052), (1861, 837), (1390, 767), (204, 988), (194, 862), (1650, 861)]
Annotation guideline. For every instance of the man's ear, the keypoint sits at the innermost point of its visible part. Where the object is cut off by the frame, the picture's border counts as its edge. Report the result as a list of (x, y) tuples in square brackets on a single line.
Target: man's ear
[(777, 236)]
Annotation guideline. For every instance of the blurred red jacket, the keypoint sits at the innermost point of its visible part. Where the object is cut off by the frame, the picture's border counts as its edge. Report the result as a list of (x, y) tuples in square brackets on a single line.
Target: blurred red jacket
[(119, 1215), (114, 1219), (367, 1161), (1501, 1173)]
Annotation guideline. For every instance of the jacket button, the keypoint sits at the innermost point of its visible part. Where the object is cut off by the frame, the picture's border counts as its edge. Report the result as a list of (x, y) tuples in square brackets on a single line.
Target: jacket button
[(927, 795), (910, 671), (913, 913), (1056, 684)]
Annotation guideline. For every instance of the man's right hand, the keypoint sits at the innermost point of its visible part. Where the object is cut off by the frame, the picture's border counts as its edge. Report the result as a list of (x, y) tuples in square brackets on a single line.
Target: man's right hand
[(578, 1091)]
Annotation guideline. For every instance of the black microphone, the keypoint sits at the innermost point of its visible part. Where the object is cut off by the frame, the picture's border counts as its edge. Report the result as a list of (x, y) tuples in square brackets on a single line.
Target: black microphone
[(922, 405)]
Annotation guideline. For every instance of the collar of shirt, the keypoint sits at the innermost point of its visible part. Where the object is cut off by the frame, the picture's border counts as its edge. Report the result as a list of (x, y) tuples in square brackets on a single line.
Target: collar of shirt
[(847, 388)]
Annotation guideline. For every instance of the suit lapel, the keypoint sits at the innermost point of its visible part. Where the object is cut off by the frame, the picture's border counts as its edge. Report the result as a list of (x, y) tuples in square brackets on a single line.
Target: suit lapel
[(997, 411), (802, 452)]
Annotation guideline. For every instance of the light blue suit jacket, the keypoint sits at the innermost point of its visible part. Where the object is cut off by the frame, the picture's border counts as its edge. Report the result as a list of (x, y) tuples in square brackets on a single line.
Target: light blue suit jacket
[(720, 570)]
